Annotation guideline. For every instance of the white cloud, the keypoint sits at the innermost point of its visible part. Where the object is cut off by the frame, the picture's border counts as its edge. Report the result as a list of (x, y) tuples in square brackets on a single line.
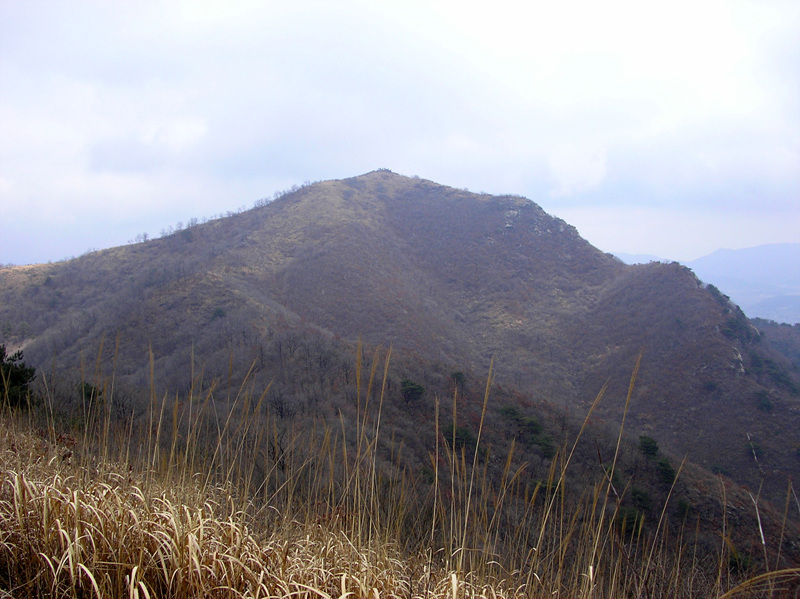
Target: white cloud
[(142, 114), (576, 168), (666, 232), (181, 133)]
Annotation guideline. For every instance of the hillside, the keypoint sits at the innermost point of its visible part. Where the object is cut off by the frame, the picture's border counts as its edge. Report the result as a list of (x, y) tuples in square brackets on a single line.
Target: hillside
[(450, 279), (783, 337)]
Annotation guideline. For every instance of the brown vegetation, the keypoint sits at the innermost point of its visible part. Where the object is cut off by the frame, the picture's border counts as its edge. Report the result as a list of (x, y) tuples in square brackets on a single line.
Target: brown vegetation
[(264, 307), (183, 504)]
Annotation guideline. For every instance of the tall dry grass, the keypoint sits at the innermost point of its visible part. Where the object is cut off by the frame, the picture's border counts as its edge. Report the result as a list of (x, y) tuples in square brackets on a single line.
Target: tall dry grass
[(199, 499)]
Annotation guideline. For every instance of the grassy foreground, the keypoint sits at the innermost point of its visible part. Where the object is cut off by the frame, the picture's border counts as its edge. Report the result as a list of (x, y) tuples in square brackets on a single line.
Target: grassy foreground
[(183, 504)]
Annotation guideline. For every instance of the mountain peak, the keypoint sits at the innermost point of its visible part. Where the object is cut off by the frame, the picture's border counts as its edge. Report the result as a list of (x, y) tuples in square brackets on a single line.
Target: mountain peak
[(443, 275)]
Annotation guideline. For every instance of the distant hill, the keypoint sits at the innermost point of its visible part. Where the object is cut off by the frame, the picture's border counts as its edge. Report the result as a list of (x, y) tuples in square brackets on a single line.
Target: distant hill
[(763, 280), (450, 279)]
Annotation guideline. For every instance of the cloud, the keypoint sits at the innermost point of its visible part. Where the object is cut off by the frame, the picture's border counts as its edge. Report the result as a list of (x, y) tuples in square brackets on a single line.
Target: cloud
[(671, 234), (138, 115), (576, 169), (150, 146)]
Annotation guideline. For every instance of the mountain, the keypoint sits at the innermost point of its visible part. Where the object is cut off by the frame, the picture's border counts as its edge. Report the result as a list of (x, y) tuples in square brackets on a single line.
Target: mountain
[(783, 337), (449, 279), (763, 280)]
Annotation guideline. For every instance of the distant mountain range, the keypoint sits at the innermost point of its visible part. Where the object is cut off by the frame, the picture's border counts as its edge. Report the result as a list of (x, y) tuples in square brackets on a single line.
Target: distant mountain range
[(764, 280), (280, 295)]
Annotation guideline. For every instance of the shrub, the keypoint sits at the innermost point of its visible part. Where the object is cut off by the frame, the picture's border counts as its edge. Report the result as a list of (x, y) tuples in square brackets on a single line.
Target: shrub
[(462, 437), (512, 413), (628, 518), (89, 393), (721, 298), (411, 391), (458, 378), (665, 471), (642, 499), (545, 445), (683, 508), (738, 327), (740, 563), (427, 475), (755, 449), (648, 446), (16, 378), (530, 426), (717, 469), (763, 402)]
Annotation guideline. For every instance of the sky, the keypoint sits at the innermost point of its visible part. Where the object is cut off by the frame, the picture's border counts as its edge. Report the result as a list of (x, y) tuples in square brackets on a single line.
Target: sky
[(662, 128)]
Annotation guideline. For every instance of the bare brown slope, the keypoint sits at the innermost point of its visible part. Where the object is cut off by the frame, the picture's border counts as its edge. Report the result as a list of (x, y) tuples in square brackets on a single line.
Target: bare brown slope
[(453, 276), (443, 271), (701, 390)]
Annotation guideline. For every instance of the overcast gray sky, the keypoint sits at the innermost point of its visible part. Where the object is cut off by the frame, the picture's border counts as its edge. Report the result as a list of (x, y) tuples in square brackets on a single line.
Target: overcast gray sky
[(667, 128)]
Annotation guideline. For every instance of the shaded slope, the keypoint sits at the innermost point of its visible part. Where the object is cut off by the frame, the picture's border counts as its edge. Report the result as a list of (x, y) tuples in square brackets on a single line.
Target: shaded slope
[(703, 390)]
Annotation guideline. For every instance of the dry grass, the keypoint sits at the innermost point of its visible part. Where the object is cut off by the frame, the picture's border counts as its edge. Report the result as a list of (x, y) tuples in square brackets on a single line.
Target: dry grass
[(67, 532), (165, 514), (72, 533)]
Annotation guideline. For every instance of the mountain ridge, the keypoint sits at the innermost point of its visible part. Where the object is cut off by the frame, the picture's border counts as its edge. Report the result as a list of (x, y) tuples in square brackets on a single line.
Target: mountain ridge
[(439, 274), (764, 280)]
